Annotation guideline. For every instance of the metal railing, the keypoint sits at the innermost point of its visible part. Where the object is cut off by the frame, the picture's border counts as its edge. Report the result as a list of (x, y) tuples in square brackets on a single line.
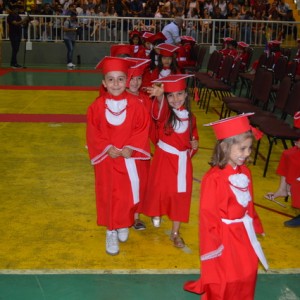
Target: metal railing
[(115, 29)]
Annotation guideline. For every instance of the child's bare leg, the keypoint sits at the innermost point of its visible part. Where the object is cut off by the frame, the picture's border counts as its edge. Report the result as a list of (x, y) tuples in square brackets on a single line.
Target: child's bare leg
[(175, 227), (175, 237), (283, 190), (136, 216)]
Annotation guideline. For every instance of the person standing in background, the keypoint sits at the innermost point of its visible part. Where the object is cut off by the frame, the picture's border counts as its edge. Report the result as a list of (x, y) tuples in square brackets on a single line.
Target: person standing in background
[(172, 31), (70, 34), (15, 23)]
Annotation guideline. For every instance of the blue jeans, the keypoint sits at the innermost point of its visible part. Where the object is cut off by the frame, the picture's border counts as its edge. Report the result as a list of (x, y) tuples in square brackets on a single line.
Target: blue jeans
[(70, 49)]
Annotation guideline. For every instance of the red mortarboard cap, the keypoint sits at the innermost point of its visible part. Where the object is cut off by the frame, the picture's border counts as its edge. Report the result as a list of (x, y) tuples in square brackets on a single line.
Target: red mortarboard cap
[(231, 126), (121, 49), (140, 65), (166, 49), (297, 119), (156, 37), (227, 39), (187, 39), (242, 45), (274, 43), (133, 33), (110, 64), (173, 83), (146, 35)]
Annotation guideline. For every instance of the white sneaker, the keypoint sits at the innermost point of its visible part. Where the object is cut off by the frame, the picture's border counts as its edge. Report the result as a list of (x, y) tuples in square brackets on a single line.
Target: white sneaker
[(112, 243), (123, 234), (156, 221), (71, 65)]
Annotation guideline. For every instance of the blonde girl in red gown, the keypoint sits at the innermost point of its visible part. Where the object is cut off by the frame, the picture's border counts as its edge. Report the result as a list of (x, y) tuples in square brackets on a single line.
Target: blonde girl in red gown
[(229, 250)]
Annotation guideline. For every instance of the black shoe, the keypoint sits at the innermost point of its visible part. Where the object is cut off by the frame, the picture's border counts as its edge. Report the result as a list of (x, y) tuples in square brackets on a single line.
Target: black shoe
[(16, 66), (295, 222), (139, 225)]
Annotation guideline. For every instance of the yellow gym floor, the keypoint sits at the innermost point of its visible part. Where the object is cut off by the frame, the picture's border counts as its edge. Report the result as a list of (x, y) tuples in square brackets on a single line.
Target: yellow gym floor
[(48, 221)]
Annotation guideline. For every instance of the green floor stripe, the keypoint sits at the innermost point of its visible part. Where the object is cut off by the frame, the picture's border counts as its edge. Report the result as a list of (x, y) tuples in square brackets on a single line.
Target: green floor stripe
[(129, 287)]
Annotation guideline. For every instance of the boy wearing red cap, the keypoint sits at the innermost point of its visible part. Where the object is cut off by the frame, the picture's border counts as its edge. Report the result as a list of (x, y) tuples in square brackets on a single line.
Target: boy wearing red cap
[(170, 179), (228, 222), (117, 136), (289, 171)]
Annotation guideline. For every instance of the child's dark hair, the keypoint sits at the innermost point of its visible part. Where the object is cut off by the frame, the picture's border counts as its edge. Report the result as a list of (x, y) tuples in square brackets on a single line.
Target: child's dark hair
[(173, 66), (131, 39), (171, 121), (222, 149), (153, 53)]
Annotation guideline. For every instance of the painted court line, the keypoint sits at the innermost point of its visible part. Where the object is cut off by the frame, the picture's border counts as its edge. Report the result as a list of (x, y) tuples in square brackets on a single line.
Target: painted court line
[(45, 70), (43, 118), (126, 271), (49, 88)]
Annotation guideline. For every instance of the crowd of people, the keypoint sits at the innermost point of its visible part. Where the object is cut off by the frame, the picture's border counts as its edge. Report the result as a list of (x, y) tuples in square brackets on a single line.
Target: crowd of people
[(198, 12)]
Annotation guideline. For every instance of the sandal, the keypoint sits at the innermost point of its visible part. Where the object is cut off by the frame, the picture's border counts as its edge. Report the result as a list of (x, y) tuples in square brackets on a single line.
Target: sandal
[(271, 196), (178, 242)]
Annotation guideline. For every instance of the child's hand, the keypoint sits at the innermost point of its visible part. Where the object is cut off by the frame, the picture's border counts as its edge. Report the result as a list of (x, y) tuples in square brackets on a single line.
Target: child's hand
[(126, 152), (194, 144), (113, 152), (156, 90)]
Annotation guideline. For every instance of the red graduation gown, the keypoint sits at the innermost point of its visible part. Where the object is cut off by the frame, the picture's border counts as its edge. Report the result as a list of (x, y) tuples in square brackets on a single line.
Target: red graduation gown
[(228, 261), (143, 166), (289, 167), (115, 201), (162, 197)]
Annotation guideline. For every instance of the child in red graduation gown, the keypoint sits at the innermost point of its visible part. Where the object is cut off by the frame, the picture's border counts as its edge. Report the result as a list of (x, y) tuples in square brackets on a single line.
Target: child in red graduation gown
[(242, 55), (229, 250), (289, 171), (134, 83), (184, 52), (146, 39), (170, 178), (225, 49), (135, 40), (167, 63), (117, 136)]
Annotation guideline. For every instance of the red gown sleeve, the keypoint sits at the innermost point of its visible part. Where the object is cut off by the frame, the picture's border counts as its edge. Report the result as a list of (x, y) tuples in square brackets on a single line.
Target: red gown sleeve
[(98, 141), (210, 220)]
